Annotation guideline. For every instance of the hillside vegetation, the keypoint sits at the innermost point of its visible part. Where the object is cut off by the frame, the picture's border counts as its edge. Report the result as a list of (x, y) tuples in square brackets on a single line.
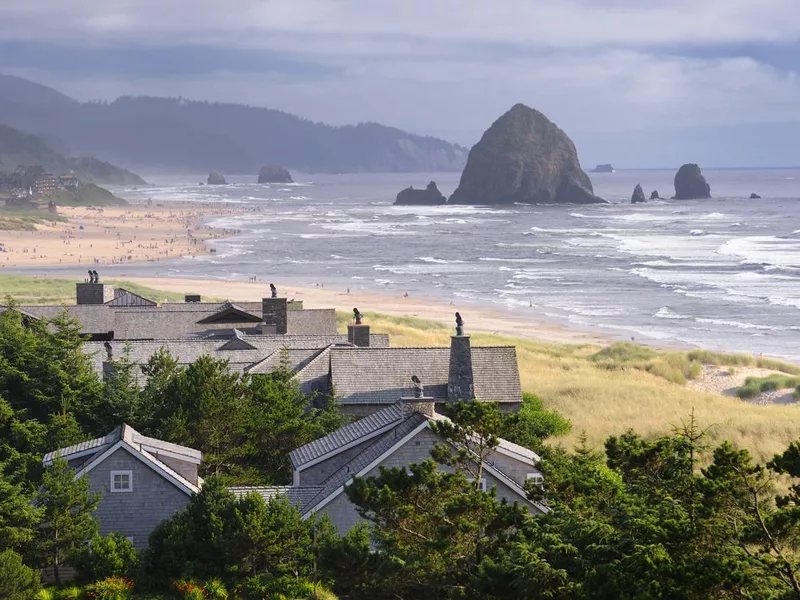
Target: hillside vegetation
[(605, 391), (183, 135), (53, 290), (21, 149)]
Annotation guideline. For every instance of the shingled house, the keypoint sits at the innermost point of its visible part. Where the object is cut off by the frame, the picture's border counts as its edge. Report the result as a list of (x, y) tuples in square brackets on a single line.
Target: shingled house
[(395, 436), (109, 313), (361, 379), (142, 480)]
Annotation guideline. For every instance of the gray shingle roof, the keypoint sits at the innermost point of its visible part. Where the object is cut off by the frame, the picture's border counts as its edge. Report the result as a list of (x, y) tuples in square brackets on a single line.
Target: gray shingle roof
[(363, 459), (357, 431), (130, 435), (383, 375)]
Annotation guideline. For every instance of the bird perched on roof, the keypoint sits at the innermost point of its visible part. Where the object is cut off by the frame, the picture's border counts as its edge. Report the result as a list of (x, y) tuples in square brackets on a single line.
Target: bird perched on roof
[(109, 350), (419, 390), (91, 276), (96, 277), (274, 290), (459, 324), (356, 316)]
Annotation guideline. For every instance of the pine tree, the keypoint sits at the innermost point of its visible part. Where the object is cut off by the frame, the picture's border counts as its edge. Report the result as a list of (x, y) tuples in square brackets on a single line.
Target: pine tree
[(67, 521)]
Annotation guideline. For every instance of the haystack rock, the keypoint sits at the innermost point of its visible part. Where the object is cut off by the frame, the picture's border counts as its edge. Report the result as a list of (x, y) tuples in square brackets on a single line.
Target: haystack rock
[(755, 196), (638, 194), (654, 195), (430, 196), (216, 178), (690, 183), (524, 157), (274, 174)]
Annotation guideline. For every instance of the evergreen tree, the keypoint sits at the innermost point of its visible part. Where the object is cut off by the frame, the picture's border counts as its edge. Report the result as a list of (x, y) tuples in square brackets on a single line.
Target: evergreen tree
[(17, 580), (67, 521), (18, 517)]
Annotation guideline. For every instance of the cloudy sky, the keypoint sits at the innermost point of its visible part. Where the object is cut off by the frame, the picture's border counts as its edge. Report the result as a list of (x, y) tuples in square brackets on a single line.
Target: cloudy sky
[(635, 82)]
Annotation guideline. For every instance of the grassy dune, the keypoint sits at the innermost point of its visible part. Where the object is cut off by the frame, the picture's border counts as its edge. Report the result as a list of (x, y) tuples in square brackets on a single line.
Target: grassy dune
[(51, 290), (606, 391)]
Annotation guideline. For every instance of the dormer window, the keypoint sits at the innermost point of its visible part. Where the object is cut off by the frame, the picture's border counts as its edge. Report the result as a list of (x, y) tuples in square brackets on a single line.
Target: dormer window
[(121, 481), (536, 478)]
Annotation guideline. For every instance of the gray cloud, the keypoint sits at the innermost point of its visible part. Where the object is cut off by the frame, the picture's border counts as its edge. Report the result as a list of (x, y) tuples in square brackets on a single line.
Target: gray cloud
[(445, 67)]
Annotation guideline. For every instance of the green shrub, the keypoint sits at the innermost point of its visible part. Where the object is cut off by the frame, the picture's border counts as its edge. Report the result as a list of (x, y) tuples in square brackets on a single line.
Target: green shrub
[(285, 588), (111, 588), (44, 594), (624, 352), (216, 590), (753, 386), (72, 592), (107, 556), (17, 580)]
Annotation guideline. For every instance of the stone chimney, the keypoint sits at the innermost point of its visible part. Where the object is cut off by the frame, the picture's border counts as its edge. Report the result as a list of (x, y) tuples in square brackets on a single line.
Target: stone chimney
[(191, 298), (274, 314), (93, 293), (412, 404), (358, 335), (460, 381)]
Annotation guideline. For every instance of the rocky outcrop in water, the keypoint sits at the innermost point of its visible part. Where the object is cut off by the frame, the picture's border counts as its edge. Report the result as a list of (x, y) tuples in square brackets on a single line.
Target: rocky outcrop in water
[(638, 194), (690, 183), (274, 174), (216, 178), (524, 157), (654, 195), (605, 168), (430, 196), (755, 196)]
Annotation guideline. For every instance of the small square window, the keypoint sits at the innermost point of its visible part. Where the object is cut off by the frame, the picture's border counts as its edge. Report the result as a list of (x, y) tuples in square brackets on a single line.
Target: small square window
[(121, 481), (483, 482)]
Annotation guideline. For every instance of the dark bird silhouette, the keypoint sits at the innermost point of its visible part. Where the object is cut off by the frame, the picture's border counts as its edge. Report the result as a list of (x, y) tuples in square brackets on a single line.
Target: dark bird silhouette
[(91, 276), (96, 277), (418, 388), (109, 350), (274, 290), (459, 324), (357, 316)]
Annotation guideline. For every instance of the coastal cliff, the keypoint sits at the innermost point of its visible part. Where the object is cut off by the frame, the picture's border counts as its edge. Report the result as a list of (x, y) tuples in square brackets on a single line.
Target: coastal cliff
[(524, 157), (690, 183)]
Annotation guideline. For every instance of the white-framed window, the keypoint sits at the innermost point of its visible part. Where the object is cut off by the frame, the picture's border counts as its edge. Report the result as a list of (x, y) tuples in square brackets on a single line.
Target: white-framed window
[(121, 481), (483, 482), (536, 477)]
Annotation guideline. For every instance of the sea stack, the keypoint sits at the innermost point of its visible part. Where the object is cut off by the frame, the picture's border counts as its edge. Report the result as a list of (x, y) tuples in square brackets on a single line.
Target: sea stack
[(755, 196), (430, 196), (216, 178), (274, 174), (654, 195), (638, 194), (690, 183), (524, 157)]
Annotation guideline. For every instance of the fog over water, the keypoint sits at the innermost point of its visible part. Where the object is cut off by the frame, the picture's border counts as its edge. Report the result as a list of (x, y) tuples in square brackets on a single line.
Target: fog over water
[(721, 273)]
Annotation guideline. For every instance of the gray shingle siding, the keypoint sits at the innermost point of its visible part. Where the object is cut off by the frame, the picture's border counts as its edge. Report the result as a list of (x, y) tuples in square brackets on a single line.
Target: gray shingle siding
[(134, 514), (185, 469), (311, 321)]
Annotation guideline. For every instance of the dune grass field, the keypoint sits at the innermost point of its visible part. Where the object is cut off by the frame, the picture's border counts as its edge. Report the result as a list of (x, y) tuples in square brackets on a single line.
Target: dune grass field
[(607, 390)]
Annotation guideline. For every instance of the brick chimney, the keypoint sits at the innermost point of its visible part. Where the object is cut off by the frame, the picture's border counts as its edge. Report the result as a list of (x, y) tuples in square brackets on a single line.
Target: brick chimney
[(358, 335), (93, 293), (273, 312), (460, 381)]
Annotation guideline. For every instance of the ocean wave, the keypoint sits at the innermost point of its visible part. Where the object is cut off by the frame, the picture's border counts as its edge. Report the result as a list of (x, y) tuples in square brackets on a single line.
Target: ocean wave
[(665, 313), (438, 261)]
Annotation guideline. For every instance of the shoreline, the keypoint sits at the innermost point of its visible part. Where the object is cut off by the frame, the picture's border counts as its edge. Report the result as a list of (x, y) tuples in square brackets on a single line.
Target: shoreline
[(115, 235)]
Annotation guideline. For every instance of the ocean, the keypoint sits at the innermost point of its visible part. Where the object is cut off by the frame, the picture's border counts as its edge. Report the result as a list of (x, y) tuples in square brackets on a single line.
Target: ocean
[(720, 274)]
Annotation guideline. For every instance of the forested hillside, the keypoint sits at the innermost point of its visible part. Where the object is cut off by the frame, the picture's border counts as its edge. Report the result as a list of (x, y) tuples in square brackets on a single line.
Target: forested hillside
[(22, 149), (181, 135)]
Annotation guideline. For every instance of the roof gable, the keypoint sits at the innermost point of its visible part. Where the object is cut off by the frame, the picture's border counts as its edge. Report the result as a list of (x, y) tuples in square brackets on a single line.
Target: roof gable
[(231, 313), (236, 343)]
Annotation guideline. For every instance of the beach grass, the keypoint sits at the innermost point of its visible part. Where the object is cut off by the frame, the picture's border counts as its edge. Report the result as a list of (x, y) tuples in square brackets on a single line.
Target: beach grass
[(17, 219), (55, 290), (605, 391)]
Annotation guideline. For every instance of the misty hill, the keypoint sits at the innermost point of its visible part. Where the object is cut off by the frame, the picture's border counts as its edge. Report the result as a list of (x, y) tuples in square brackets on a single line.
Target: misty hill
[(181, 135), (22, 149)]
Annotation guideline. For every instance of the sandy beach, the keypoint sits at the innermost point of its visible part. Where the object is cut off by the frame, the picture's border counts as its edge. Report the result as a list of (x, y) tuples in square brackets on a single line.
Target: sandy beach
[(113, 235), (478, 319)]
